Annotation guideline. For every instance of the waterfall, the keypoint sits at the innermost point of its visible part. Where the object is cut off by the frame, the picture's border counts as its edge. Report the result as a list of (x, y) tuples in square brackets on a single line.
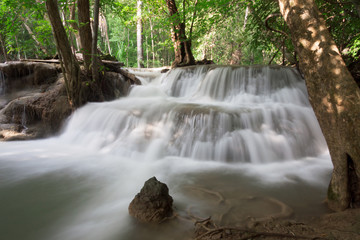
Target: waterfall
[(23, 119), (206, 131), (229, 114)]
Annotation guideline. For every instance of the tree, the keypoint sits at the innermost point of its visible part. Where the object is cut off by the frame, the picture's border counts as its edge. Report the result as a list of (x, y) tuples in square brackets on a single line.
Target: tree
[(24, 33), (79, 86), (139, 34), (94, 56), (85, 31), (334, 97), (182, 45)]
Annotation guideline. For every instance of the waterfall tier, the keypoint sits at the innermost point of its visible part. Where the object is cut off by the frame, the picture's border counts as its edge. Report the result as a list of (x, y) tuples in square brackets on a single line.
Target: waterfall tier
[(230, 114)]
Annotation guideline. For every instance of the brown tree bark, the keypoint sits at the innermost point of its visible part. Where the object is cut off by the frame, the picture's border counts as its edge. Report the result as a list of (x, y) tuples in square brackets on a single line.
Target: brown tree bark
[(3, 48), (70, 67), (79, 86), (94, 60), (182, 45), (85, 32), (74, 25), (334, 97)]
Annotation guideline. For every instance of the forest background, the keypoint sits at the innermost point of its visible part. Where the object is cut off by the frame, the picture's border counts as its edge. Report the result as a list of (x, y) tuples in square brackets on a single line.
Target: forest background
[(226, 31)]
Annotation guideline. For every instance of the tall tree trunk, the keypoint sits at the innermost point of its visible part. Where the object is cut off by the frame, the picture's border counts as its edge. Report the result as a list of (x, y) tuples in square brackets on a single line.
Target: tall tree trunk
[(334, 96), (71, 68), (152, 42), (128, 47), (94, 59), (104, 31), (147, 52), (85, 32), (74, 25), (246, 17), (182, 45), (2, 41), (139, 29)]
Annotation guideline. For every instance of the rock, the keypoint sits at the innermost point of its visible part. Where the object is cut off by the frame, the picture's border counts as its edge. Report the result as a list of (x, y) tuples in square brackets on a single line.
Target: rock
[(33, 97), (115, 86), (153, 203), (35, 115), (165, 70), (21, 75)]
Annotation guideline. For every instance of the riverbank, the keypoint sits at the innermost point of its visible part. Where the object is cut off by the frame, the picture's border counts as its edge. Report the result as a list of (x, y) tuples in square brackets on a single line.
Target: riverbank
[(333, 226)]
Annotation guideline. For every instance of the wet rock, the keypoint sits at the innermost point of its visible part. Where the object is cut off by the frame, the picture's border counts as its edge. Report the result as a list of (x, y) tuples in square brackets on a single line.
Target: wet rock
[(34, 102), (35, 115), (21, 75), (115, 86), (153, 203)]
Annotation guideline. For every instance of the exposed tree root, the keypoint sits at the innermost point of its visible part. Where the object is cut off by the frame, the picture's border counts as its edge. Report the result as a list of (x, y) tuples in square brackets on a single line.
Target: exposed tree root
[(206, 229)]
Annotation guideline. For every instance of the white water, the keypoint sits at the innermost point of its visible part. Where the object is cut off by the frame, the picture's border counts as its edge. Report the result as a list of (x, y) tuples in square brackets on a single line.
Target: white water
[(239, 131)]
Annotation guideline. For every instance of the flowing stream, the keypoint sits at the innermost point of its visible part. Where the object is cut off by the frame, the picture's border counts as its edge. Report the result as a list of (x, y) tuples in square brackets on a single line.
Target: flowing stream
[(234, 143)]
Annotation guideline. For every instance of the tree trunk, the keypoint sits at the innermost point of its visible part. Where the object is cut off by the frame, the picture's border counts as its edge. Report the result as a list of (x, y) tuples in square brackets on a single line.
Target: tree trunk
[(152, 42), (334, 96), (104, 31), (2, 41), (139, 29), (128, 47), (75, 26), (70, 66), (246, 18), (85, 32), (182, 45), (94, 59)]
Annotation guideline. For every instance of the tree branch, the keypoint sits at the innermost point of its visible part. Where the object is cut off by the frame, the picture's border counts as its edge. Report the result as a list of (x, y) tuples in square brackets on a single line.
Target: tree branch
[(273, 29)]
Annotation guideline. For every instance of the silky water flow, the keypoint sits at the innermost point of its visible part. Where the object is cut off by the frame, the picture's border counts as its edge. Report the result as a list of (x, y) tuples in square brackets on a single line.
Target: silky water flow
[(234, 143)]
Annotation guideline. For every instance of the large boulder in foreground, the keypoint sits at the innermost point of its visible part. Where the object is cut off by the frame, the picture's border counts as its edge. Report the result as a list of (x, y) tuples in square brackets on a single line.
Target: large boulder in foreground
[(153, 203)]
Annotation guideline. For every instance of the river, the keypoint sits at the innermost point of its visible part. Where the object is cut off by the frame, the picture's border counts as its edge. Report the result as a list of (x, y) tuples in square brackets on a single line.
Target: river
[(234, 143)]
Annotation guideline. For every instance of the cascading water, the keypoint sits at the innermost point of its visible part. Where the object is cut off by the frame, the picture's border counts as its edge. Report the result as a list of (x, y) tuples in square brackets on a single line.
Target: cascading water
[(239, 131)]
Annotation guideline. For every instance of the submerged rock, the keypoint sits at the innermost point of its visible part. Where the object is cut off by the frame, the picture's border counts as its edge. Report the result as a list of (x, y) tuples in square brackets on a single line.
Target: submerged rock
[(153, 203)]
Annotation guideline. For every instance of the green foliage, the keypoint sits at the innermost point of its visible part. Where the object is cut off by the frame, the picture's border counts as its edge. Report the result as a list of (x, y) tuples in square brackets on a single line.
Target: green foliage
[(343, 22), (227, 31), (354, 49), (17, 41)]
